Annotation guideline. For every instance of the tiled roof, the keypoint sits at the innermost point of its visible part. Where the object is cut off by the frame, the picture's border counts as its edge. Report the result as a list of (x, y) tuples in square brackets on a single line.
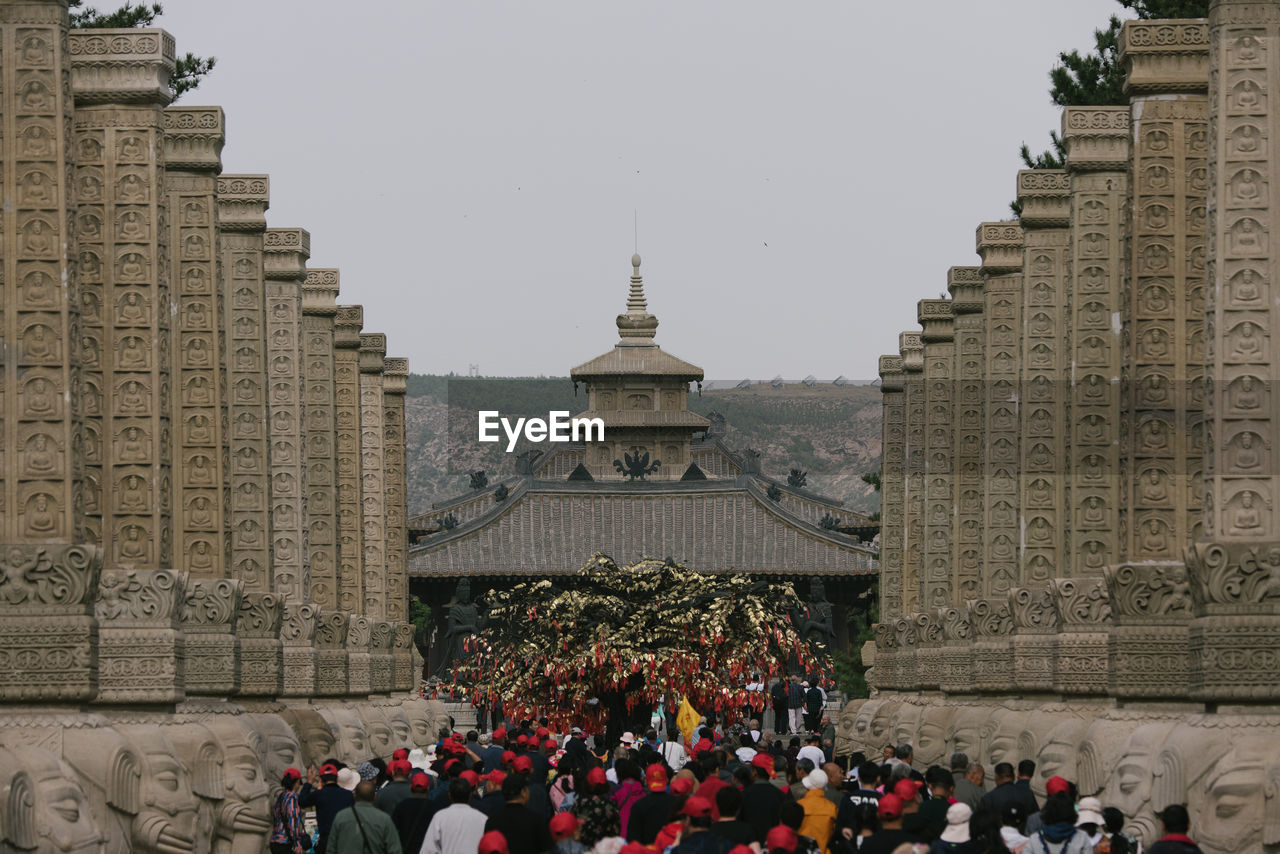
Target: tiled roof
[(647, 359), (647, 418)]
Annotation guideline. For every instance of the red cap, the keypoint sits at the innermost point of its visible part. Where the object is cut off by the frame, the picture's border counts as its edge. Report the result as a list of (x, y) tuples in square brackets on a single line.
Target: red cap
[(500, 734), (764, 762), (399, 767), (781, 838), (522, 765), (740, 849), (522, 739), (543, 732), (655, 778), (471, 777), (292, 774), (328, 770), (681, 786), (508, 756), (495, 777), (549, 744), (695, 807), (420, 782), (1056, 785), (907, 789), (563, 825), (596, 776), (890, 807), (492, 842), (400, 753)]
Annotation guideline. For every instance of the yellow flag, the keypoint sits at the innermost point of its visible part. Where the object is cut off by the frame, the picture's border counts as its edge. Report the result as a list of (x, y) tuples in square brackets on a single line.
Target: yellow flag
[(687, 719)]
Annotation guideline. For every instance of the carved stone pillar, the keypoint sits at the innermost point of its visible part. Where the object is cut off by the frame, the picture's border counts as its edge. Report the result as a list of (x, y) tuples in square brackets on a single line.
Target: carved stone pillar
[(1234, 636), (192, 159), (120, 83), (957, 651), (1097, 142), (904, 649), (892, 483), (395, 376), (1045, 371), (937, 333), (298, 637), (242, 207), (403, 678), (319, 305), (346, 356), (992, 652), (48, 634), (1084, 616), (928, 633), (209, 617), (285, 253), (1035, 640), (41, 401), (1147, 645), (373, 499), (886, 669), (966, 285), (1162, 453), (381, 638), (999, 244), (359, 666), (332, 665), (261, 653), (141, 652), (912, 350)]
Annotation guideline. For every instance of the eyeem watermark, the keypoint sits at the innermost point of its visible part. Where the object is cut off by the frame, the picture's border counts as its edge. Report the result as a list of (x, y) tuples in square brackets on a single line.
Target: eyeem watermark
[(558, 427)]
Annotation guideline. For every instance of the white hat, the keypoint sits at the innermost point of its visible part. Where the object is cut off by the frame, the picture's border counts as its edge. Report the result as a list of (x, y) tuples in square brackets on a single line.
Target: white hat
[(348, 778), (816, 779), (628, 738), (1090, 812), (418, 758), (958, 815)]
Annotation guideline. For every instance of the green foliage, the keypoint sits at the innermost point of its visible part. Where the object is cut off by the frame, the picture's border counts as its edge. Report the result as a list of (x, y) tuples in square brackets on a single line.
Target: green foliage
[(189, 70), (850, 674), (873, 478), (797, 478), (420, 616)]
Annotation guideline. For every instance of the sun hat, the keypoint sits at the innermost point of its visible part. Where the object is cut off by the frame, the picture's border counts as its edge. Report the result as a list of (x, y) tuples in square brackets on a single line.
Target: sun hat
[(816, 779), (957, 830), (1090, 812), (348, 778)]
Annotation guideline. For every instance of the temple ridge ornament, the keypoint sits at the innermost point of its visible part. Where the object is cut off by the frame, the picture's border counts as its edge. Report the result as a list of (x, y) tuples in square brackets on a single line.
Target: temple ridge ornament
[(637, 465)]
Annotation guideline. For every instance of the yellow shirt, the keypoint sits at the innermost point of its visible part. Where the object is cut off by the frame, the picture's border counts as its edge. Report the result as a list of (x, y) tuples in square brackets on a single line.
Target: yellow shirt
[(819, 817)]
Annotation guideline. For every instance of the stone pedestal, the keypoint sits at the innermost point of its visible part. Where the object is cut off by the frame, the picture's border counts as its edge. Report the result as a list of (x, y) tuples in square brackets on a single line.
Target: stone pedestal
[(992, 651), (928, 651), (402, 647), (298, 637), (359, 665), (1147, 645), (956, 654), (332, 662), (1084, 617), (905, 642), (261, 655), (381, 638), (209, 617), (886, 667), (48, 634), (141, 649), (1035, 640)]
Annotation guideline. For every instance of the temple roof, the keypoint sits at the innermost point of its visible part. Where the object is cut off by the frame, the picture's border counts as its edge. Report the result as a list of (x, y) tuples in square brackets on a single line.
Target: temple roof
[(647, 418), (551, 527)]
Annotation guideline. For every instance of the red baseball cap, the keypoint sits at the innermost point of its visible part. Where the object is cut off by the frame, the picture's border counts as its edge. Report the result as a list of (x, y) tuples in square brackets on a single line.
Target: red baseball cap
[(492, 842), (543, 732), (328, 770), (500, 734), (655, 778), (890, 807), (563, 825), (681, 786), (522, 739), (695, 807), (420, 782), (508, 756), (907, 789), (495, 777), (522, 765), (449, 763), (471, 777), (400, 753), (764, 762), (400, 767), (596, 776), (549, 744), (1056, 785), (292, 774), (781, 838)]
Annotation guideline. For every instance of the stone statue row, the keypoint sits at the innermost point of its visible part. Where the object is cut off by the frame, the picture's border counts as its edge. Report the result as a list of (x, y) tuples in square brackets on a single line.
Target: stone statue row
[(198, 781), (1222, 767)]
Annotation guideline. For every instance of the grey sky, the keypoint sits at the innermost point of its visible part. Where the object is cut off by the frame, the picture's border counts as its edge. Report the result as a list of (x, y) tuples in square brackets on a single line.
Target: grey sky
[(473, 166)]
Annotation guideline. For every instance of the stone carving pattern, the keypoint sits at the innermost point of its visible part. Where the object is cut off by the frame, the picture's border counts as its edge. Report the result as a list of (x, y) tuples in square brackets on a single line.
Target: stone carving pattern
[(966, 284), (892, 483), (1147, 643), (395, 374), (347, 325), (373, 348), (319, 292), (912, 350), (210, 616), (258, 628), (992, 624), (939, 452), (140, 650), (242, 201)]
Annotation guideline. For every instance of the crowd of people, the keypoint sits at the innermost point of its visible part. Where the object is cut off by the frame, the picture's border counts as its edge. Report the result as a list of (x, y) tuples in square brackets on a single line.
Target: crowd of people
[(524, 790)]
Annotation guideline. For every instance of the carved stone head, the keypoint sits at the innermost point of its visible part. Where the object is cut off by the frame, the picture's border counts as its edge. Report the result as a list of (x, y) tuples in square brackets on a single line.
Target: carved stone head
[(931, 736), (1132, 780), (378, 729), (906, 723), (965, 732), (246, 808), (44, 807), (882, 728), (276, 745), (315, 738), (861, 737), (1007, 726), (1056, 750), (424, 718), (845, 744), (1099, 751), (1238, 806), (351, 741), (401, 726)]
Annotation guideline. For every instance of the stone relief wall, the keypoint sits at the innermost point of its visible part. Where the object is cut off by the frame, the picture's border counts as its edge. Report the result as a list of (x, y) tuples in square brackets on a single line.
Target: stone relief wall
[(182, 443), (1123, 625)]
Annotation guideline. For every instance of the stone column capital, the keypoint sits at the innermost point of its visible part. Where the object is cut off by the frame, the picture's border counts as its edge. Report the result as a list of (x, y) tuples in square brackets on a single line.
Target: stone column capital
[(1045, 197), (320, 291), (193, 138), (999, 245), (891, 374), (373, 350), (124, 66), (347, 323), (285, 252), (243, 201), (1165, 56), (936, 319), (395, 375), (911, 346), (965, 285), (1097, 139)]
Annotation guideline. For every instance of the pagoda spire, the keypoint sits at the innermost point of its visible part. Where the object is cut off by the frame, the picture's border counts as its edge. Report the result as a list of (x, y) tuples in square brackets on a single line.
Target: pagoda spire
[(637, 326)]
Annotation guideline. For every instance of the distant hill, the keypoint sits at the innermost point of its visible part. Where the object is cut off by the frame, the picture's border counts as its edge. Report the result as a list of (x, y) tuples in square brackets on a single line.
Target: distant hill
[(831, 432)]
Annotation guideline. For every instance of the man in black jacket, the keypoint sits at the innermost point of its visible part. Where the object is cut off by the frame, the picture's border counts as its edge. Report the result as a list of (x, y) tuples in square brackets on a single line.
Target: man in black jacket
[(761, 800), (525, 830), (1007, 792), (329, 800), (650, 813), (778, 697)]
